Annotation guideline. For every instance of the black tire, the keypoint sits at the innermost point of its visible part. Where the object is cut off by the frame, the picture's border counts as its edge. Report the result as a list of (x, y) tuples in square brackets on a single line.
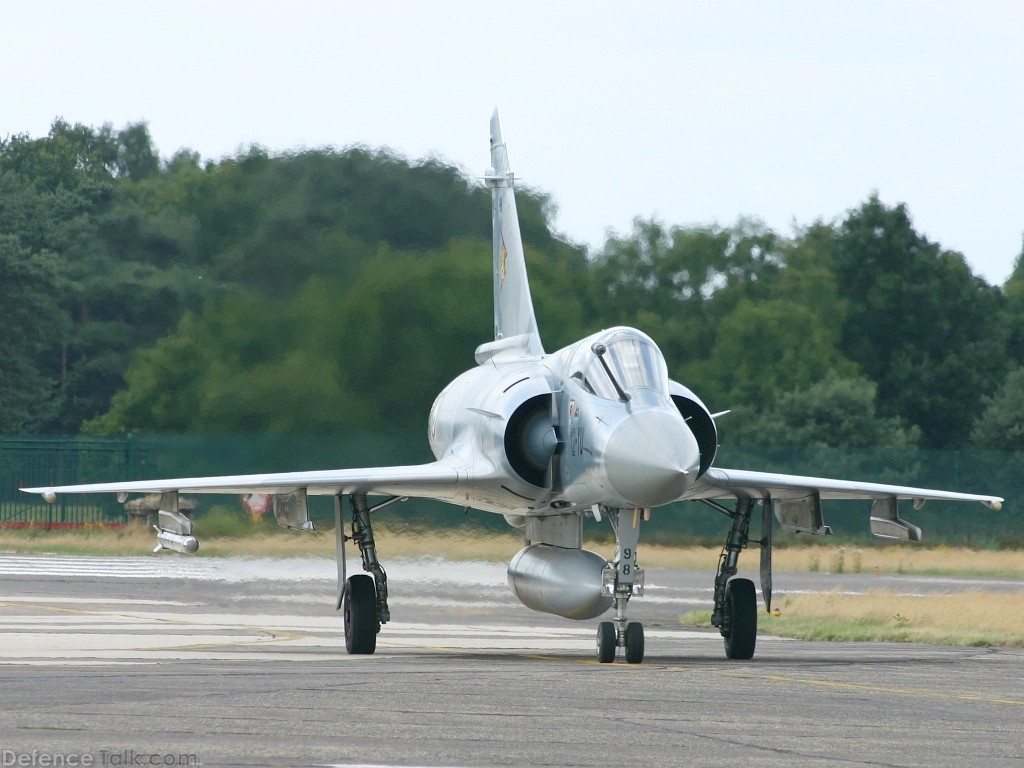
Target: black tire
[(634, 642), (740, 619), (360, 612), (606, 639)]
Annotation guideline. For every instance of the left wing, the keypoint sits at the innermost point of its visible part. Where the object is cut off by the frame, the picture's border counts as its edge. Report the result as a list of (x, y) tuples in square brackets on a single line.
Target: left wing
[(726, 483), (796, 500), (437, 480)]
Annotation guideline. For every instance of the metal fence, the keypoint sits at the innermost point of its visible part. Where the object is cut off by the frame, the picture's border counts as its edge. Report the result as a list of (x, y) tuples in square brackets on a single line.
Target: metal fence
[(26, 462)]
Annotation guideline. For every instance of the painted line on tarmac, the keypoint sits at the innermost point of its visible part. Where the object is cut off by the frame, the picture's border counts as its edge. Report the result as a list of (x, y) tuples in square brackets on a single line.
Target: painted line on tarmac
[(917, 692)]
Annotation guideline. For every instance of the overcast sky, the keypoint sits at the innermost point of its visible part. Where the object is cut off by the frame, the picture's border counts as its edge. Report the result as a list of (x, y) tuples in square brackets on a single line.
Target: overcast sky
[(690, 112)]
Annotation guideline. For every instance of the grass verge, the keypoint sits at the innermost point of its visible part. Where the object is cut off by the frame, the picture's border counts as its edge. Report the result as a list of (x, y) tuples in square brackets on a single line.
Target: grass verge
[(227, 533), (975, 618)]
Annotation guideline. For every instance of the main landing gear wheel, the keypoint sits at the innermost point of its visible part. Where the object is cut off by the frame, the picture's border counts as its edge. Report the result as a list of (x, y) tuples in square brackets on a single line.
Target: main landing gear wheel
[(739, 626), (634, 642), (360, 612), (606, 640)]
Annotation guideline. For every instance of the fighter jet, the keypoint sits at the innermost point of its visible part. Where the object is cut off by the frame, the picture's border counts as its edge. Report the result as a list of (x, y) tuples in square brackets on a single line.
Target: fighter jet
[(595, 430)]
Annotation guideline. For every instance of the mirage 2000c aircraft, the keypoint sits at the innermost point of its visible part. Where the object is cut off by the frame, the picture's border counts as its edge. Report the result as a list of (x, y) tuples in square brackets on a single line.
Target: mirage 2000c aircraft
[(597, 429)]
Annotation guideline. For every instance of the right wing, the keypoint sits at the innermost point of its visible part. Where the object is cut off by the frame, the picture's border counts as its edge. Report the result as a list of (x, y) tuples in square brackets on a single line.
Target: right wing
[(440, 480)]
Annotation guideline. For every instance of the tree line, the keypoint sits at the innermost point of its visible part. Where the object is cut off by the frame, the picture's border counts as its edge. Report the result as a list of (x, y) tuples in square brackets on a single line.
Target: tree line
[(327, 290)]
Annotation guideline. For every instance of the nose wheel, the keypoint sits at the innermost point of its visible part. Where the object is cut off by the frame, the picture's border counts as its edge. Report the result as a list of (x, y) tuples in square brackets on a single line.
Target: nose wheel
[(622, 579), (608, 642), (634, 642)]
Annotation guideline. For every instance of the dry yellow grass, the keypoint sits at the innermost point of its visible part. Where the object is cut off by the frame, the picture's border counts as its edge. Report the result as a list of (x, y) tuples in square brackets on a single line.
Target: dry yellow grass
[(966, 618), (465, 544), (267, 541), (133, 540), (900, 558), (894, 558)]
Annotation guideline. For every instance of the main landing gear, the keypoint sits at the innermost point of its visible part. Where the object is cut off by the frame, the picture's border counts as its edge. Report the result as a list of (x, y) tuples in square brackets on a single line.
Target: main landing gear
[(363, 599), (735, 612), (621, 580)]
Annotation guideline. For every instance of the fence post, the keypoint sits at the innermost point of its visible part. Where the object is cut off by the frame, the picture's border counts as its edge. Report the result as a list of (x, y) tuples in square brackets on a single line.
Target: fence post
[(129, 444)]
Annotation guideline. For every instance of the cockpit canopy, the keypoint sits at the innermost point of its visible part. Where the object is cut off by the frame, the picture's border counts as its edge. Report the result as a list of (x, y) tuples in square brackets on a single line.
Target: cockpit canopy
[(633, 358)]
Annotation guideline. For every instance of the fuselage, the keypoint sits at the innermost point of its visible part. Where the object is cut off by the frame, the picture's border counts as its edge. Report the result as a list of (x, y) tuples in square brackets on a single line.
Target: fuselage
[(596, 423)]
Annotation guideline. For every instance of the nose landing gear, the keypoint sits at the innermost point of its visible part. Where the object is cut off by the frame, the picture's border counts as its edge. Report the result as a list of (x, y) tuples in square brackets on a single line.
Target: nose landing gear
[(608, 642), (623, 579)]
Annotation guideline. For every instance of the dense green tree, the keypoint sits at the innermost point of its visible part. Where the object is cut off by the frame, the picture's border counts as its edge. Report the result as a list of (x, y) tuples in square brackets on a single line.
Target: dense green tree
[(918, 322), (830, 428), (59, 196), (561, 284), (270, 223), (677, 284), (30, 329), (222, 287), (244, 365), (1014, 292), (999, 434), (137, 158), (75, 158), (739, 312), (137, 244), (411, 323), (371, 353), (836, 411), (1000, 427), (809, 276), (161, 393), (765, 348)]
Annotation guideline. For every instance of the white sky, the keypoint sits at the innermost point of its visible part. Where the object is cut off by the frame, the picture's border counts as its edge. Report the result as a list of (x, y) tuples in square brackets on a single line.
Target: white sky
[(693, 112)]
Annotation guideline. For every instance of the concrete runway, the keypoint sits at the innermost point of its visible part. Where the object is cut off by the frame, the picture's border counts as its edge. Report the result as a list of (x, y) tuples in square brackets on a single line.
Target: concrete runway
[(137, 661)]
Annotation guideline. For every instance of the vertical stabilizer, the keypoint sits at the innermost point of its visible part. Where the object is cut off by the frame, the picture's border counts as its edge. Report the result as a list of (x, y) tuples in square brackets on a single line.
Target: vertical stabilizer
[(515, 325)]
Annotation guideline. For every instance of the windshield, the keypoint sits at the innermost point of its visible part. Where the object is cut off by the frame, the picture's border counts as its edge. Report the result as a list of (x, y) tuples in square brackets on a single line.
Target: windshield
[(632, 358)]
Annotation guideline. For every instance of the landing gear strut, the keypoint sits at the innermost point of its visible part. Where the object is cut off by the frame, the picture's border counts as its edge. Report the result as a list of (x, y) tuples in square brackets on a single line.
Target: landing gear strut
[(363, 598), (621, 580), (735, 612)]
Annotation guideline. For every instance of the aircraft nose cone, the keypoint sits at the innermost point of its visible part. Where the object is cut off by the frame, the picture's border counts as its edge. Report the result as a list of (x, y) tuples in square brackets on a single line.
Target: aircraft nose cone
[(651, 458)]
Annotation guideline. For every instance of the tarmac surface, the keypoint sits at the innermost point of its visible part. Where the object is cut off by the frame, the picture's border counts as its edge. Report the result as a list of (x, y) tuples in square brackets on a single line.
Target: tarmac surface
[(167, 660)]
